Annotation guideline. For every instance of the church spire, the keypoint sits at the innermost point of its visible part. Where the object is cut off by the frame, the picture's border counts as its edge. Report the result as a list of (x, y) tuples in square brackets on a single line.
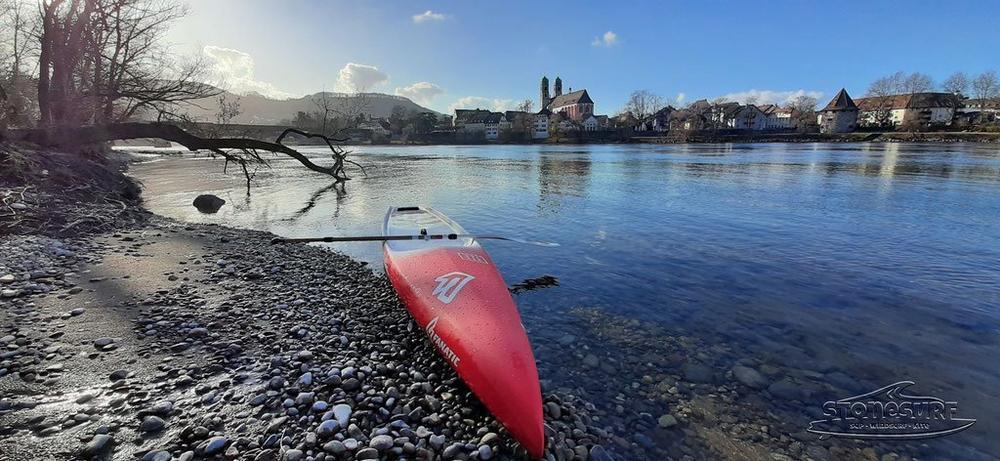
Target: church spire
[(558, 86), (545, 93)]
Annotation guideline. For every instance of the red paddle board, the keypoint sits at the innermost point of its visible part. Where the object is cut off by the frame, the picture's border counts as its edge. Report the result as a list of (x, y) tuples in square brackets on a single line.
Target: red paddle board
[(456, 295)]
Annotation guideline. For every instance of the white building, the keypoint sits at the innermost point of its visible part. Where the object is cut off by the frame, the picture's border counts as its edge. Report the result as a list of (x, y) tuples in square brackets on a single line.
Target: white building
[(922, 109), (747, 117), (540, 125), (777, 118)]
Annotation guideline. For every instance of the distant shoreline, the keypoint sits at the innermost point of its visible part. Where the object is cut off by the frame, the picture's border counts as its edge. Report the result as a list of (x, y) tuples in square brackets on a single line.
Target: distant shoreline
[(697, 138), (709, 138)]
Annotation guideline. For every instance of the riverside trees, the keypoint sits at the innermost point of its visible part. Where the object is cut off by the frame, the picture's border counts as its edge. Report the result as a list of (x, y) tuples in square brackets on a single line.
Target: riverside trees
[(102, 63), (984, 88)]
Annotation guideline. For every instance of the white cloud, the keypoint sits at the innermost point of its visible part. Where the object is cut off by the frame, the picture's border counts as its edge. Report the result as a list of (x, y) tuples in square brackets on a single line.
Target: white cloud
[(771, 96), (479, 102), (422, 92), (607, 40), (356, 78), (233, 70), (679, 100), (428, 16)]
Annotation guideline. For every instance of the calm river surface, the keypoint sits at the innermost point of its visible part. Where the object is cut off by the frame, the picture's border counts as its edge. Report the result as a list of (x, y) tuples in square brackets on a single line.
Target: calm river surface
[(837, 269)]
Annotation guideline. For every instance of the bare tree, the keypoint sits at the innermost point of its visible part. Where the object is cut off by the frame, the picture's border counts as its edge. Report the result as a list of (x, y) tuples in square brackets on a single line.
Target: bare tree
[(803, 111), (985, 86), (17, 105), (526, 106), (881, 93), (101, 61), (916, 83), (325, 107), (356, 105), (229, 109), (643, 103), (16, 29), (986, 89), (957, 84)]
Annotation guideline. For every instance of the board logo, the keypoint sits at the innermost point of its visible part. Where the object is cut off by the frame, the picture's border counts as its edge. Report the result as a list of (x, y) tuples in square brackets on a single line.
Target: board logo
[(448, 285), (439, 342)]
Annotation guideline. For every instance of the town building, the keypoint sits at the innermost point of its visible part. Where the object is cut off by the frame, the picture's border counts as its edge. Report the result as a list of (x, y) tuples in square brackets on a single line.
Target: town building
[(777, 118), (687, 120), (462, 116), (979, 110), (483, 123), (912, 110), (378, 127), (840, 115), (540, 125)]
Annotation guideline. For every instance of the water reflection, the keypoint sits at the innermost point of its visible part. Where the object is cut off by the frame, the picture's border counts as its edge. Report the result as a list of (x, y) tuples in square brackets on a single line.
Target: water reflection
[(561, 174), (339, 188)]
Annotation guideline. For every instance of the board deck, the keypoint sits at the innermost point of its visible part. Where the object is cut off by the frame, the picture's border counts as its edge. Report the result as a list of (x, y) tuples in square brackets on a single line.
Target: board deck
[(457, 296)]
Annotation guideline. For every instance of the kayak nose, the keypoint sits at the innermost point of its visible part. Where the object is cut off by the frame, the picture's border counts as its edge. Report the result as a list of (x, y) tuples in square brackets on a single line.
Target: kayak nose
[(533, 441)]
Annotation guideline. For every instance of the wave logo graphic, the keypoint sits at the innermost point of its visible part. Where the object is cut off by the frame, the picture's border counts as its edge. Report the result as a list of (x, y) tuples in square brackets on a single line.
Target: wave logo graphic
[(448, 285), (890, 413)]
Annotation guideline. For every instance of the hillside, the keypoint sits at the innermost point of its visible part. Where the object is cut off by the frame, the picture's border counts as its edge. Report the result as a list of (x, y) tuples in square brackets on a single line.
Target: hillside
[(260, 110)]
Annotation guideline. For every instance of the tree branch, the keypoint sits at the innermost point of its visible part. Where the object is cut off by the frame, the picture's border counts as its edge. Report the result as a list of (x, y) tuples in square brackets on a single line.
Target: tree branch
[(63, 136)]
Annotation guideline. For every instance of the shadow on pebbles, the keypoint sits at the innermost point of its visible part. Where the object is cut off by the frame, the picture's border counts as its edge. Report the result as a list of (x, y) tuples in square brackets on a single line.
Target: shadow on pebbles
[(178, 342)]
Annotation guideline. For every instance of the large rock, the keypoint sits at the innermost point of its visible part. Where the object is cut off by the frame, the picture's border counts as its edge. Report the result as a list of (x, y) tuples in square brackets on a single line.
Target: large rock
[(208, 203)]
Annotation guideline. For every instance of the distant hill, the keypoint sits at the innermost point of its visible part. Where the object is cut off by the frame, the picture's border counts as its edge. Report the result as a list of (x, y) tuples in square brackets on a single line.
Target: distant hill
[(260, 110)]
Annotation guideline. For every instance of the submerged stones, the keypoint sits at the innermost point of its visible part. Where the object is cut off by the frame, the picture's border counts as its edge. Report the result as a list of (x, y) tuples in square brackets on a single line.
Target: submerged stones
[(749, 377)]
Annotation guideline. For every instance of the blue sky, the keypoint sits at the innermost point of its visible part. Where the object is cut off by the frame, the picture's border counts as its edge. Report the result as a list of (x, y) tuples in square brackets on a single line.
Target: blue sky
[(494, 53)]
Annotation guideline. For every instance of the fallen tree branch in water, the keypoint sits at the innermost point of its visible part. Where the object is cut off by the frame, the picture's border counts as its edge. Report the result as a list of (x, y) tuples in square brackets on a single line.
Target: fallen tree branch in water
[(242, 151)]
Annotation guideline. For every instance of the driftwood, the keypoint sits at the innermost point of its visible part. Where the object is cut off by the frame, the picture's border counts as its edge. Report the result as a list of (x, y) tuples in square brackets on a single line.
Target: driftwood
[(242, 151)]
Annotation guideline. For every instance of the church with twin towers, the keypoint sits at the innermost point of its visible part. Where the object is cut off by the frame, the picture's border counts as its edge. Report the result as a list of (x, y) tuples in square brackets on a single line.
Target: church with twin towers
[(573, 105), (560, 112)]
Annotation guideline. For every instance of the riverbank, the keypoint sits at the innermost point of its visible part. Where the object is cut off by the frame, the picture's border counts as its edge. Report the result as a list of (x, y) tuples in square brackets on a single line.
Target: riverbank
[(202, 340)]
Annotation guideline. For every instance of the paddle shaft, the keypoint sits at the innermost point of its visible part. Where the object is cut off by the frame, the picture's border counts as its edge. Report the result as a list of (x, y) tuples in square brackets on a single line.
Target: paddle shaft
[(383, 238), (377, 238)]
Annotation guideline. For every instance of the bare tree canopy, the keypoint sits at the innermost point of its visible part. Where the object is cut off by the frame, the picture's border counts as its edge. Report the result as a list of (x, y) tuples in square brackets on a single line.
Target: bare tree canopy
[(985, 86), (526, 106), (957, 84), (100, 61), (916, 83), (17, 106), (803, 110), (881, 92), (643, 103)]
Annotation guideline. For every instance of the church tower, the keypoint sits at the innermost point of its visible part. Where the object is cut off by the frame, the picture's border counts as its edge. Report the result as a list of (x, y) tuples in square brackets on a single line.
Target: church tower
[(545, 93), (558, 86)]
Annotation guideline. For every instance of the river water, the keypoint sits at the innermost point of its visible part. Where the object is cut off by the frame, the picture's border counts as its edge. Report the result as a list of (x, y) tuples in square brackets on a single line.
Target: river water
[(836, 268)]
